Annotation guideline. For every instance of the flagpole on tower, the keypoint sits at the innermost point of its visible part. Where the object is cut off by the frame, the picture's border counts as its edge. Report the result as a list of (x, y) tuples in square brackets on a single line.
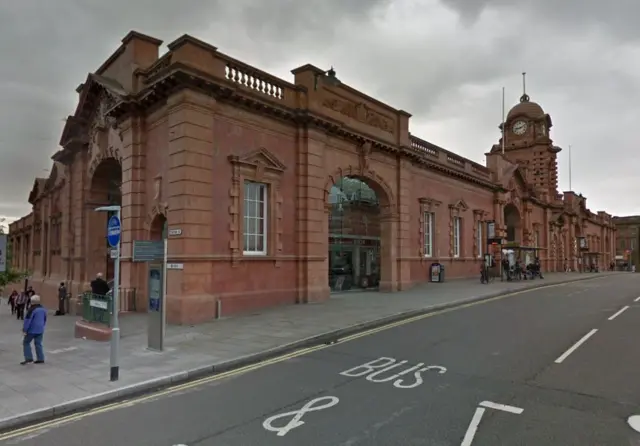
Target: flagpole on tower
[(570, 168), (504, 132)]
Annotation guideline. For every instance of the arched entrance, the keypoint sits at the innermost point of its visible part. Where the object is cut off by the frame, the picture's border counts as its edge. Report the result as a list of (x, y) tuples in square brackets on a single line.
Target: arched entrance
[(105, 190), (513, 223), (356, 223)]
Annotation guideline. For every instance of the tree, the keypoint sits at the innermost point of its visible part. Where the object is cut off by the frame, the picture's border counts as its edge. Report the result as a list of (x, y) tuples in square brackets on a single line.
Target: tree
[(11, 275)]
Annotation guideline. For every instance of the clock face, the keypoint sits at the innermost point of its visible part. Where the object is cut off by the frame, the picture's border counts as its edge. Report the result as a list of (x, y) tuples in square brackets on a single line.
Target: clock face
[(519, 127)]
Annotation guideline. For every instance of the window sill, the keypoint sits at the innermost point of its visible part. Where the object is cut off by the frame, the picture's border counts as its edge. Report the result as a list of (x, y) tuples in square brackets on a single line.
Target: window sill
[(255, 254)]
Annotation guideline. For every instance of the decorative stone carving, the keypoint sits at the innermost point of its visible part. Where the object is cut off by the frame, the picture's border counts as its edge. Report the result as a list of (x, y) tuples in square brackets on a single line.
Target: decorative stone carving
[(105, 138), (264, 167), (458, 207), (361, 112), (427, 205), (157, 187), (364, 152)]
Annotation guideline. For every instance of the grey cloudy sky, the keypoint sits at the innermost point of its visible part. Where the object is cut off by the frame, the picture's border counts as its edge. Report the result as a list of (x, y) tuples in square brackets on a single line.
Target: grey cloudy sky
[(444, 61)]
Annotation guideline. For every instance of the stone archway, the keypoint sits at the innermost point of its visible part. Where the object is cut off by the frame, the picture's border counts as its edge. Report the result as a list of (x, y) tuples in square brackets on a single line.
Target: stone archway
[(158, 230), (360, 232), (104, 190), (512, 223)]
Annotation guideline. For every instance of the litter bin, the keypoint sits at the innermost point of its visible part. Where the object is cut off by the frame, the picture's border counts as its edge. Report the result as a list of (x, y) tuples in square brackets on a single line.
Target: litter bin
[(437, 272)]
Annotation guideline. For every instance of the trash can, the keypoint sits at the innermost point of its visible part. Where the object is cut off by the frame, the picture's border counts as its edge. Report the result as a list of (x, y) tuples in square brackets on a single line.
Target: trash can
[(437, 272)]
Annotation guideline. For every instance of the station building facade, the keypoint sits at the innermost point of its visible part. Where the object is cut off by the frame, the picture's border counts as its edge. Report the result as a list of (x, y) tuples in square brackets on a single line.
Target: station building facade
[(281, 192)]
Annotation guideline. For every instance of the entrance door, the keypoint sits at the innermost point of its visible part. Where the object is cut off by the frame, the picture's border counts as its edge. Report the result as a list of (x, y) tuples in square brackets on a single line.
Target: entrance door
[(354, 236)]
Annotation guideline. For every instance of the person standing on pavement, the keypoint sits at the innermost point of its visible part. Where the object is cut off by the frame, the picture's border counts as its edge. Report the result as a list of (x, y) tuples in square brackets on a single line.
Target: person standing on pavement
[(30, 294), (21, 303), (33, 330), (99, 286), (12, 301), (62, 296)]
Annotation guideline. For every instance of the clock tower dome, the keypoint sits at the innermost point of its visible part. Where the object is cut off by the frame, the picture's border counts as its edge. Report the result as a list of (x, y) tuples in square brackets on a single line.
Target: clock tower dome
[(528, 144)]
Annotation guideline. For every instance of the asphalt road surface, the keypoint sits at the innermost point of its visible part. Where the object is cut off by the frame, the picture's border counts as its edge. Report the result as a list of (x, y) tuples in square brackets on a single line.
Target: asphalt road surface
[(554, 366)]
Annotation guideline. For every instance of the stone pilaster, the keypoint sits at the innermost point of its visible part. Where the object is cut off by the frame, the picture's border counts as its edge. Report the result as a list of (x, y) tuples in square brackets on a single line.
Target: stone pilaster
[(389, 252), (66, 238), (189, 196), (312, 218), (79, 193), (133, 213), (405, 248)]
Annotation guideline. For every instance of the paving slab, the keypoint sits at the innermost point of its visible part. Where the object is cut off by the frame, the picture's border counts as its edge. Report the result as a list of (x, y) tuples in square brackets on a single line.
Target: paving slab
[(76, 373)]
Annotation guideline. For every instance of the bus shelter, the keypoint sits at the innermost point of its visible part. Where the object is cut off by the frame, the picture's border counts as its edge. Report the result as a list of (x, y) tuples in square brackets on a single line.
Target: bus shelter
[(519, 261)]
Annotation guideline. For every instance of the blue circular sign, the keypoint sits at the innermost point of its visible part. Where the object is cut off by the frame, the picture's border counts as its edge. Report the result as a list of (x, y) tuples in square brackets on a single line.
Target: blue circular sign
[(113, 231)]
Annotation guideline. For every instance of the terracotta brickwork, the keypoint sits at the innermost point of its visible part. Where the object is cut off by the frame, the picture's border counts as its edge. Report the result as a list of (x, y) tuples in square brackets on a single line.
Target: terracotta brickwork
[(244, 164), (628, 240)]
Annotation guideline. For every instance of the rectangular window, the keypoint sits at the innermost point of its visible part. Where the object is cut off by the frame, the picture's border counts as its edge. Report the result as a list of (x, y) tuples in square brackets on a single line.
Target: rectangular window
[(456, 236), (255, 218), (428, 234), (480, 239)]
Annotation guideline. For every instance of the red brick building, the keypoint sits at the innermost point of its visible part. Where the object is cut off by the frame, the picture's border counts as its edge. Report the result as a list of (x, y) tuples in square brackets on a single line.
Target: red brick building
[(284, 192)]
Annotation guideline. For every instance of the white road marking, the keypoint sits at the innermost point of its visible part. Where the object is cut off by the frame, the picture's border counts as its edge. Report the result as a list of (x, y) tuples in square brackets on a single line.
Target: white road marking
[(473, 427), (298, 414), (575, 346), (62, 350), (477, 417), (502, 407), (634, 422), (619, 312), (637, 299), (373, 369)]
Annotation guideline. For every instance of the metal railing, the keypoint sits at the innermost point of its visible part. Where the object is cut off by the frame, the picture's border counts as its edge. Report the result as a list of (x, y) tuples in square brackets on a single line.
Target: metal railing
[(97, 308)]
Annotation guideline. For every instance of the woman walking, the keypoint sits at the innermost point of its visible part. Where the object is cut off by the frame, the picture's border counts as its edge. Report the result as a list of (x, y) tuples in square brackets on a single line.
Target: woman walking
[(12, 301)]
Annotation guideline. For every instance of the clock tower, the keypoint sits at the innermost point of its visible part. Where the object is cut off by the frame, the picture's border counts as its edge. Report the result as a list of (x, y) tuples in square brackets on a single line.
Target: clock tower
[(528, 144)]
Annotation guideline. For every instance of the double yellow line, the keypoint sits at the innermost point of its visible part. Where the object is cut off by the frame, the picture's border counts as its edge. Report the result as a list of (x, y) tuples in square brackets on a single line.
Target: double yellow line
[(178, 388)]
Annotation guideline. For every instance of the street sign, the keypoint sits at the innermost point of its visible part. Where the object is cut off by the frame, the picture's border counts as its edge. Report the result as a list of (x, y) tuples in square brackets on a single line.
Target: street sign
[(148, 250), (3, 253), (113, 231)]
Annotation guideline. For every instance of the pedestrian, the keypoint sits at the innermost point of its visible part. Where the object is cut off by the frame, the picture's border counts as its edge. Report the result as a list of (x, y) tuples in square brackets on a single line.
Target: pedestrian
[(99, 286), (33, 330), (21, 303), (62, 296), (12, 301), (30, 294)]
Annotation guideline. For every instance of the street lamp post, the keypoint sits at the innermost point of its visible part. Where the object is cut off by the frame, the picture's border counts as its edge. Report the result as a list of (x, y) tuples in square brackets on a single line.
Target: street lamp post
[(113, 237)]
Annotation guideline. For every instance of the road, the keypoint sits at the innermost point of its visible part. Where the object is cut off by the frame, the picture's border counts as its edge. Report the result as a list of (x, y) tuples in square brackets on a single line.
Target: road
[(552, 366)]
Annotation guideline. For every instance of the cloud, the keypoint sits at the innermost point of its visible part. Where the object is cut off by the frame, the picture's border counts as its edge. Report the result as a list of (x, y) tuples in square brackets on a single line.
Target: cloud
[(443, 61)]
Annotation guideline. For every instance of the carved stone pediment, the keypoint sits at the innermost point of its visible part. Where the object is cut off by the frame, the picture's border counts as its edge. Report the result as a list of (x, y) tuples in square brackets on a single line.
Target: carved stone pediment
[(460, 205), (260, 158), (429, 201)]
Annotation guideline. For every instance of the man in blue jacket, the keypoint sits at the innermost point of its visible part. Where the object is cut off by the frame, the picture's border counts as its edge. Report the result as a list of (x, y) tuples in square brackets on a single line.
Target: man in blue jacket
[(33, 330)]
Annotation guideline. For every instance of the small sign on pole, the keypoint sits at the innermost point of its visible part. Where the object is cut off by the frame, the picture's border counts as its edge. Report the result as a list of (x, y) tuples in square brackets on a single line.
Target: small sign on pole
[(113, 231)]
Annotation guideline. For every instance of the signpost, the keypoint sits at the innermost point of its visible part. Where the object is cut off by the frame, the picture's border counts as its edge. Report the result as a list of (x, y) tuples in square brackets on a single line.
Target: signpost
[(154, 252), (114, 231)]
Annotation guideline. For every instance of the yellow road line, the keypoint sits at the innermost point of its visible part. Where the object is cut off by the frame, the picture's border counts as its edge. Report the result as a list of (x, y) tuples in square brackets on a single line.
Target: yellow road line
[(125, 403)]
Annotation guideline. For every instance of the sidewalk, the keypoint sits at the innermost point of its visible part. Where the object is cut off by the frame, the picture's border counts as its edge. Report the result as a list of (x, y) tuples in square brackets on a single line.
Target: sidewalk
[(76, 374)]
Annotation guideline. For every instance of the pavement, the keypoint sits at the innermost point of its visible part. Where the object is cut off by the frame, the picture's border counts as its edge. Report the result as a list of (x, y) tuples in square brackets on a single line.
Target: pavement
[(76, 373)]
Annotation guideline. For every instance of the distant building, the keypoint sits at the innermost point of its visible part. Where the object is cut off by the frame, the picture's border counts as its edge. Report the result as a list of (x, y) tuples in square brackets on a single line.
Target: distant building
[(283, 192), (628, 240)]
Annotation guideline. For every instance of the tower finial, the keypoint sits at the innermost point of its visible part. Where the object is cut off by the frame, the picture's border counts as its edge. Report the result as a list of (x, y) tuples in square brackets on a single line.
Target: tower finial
[(525, 96)]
